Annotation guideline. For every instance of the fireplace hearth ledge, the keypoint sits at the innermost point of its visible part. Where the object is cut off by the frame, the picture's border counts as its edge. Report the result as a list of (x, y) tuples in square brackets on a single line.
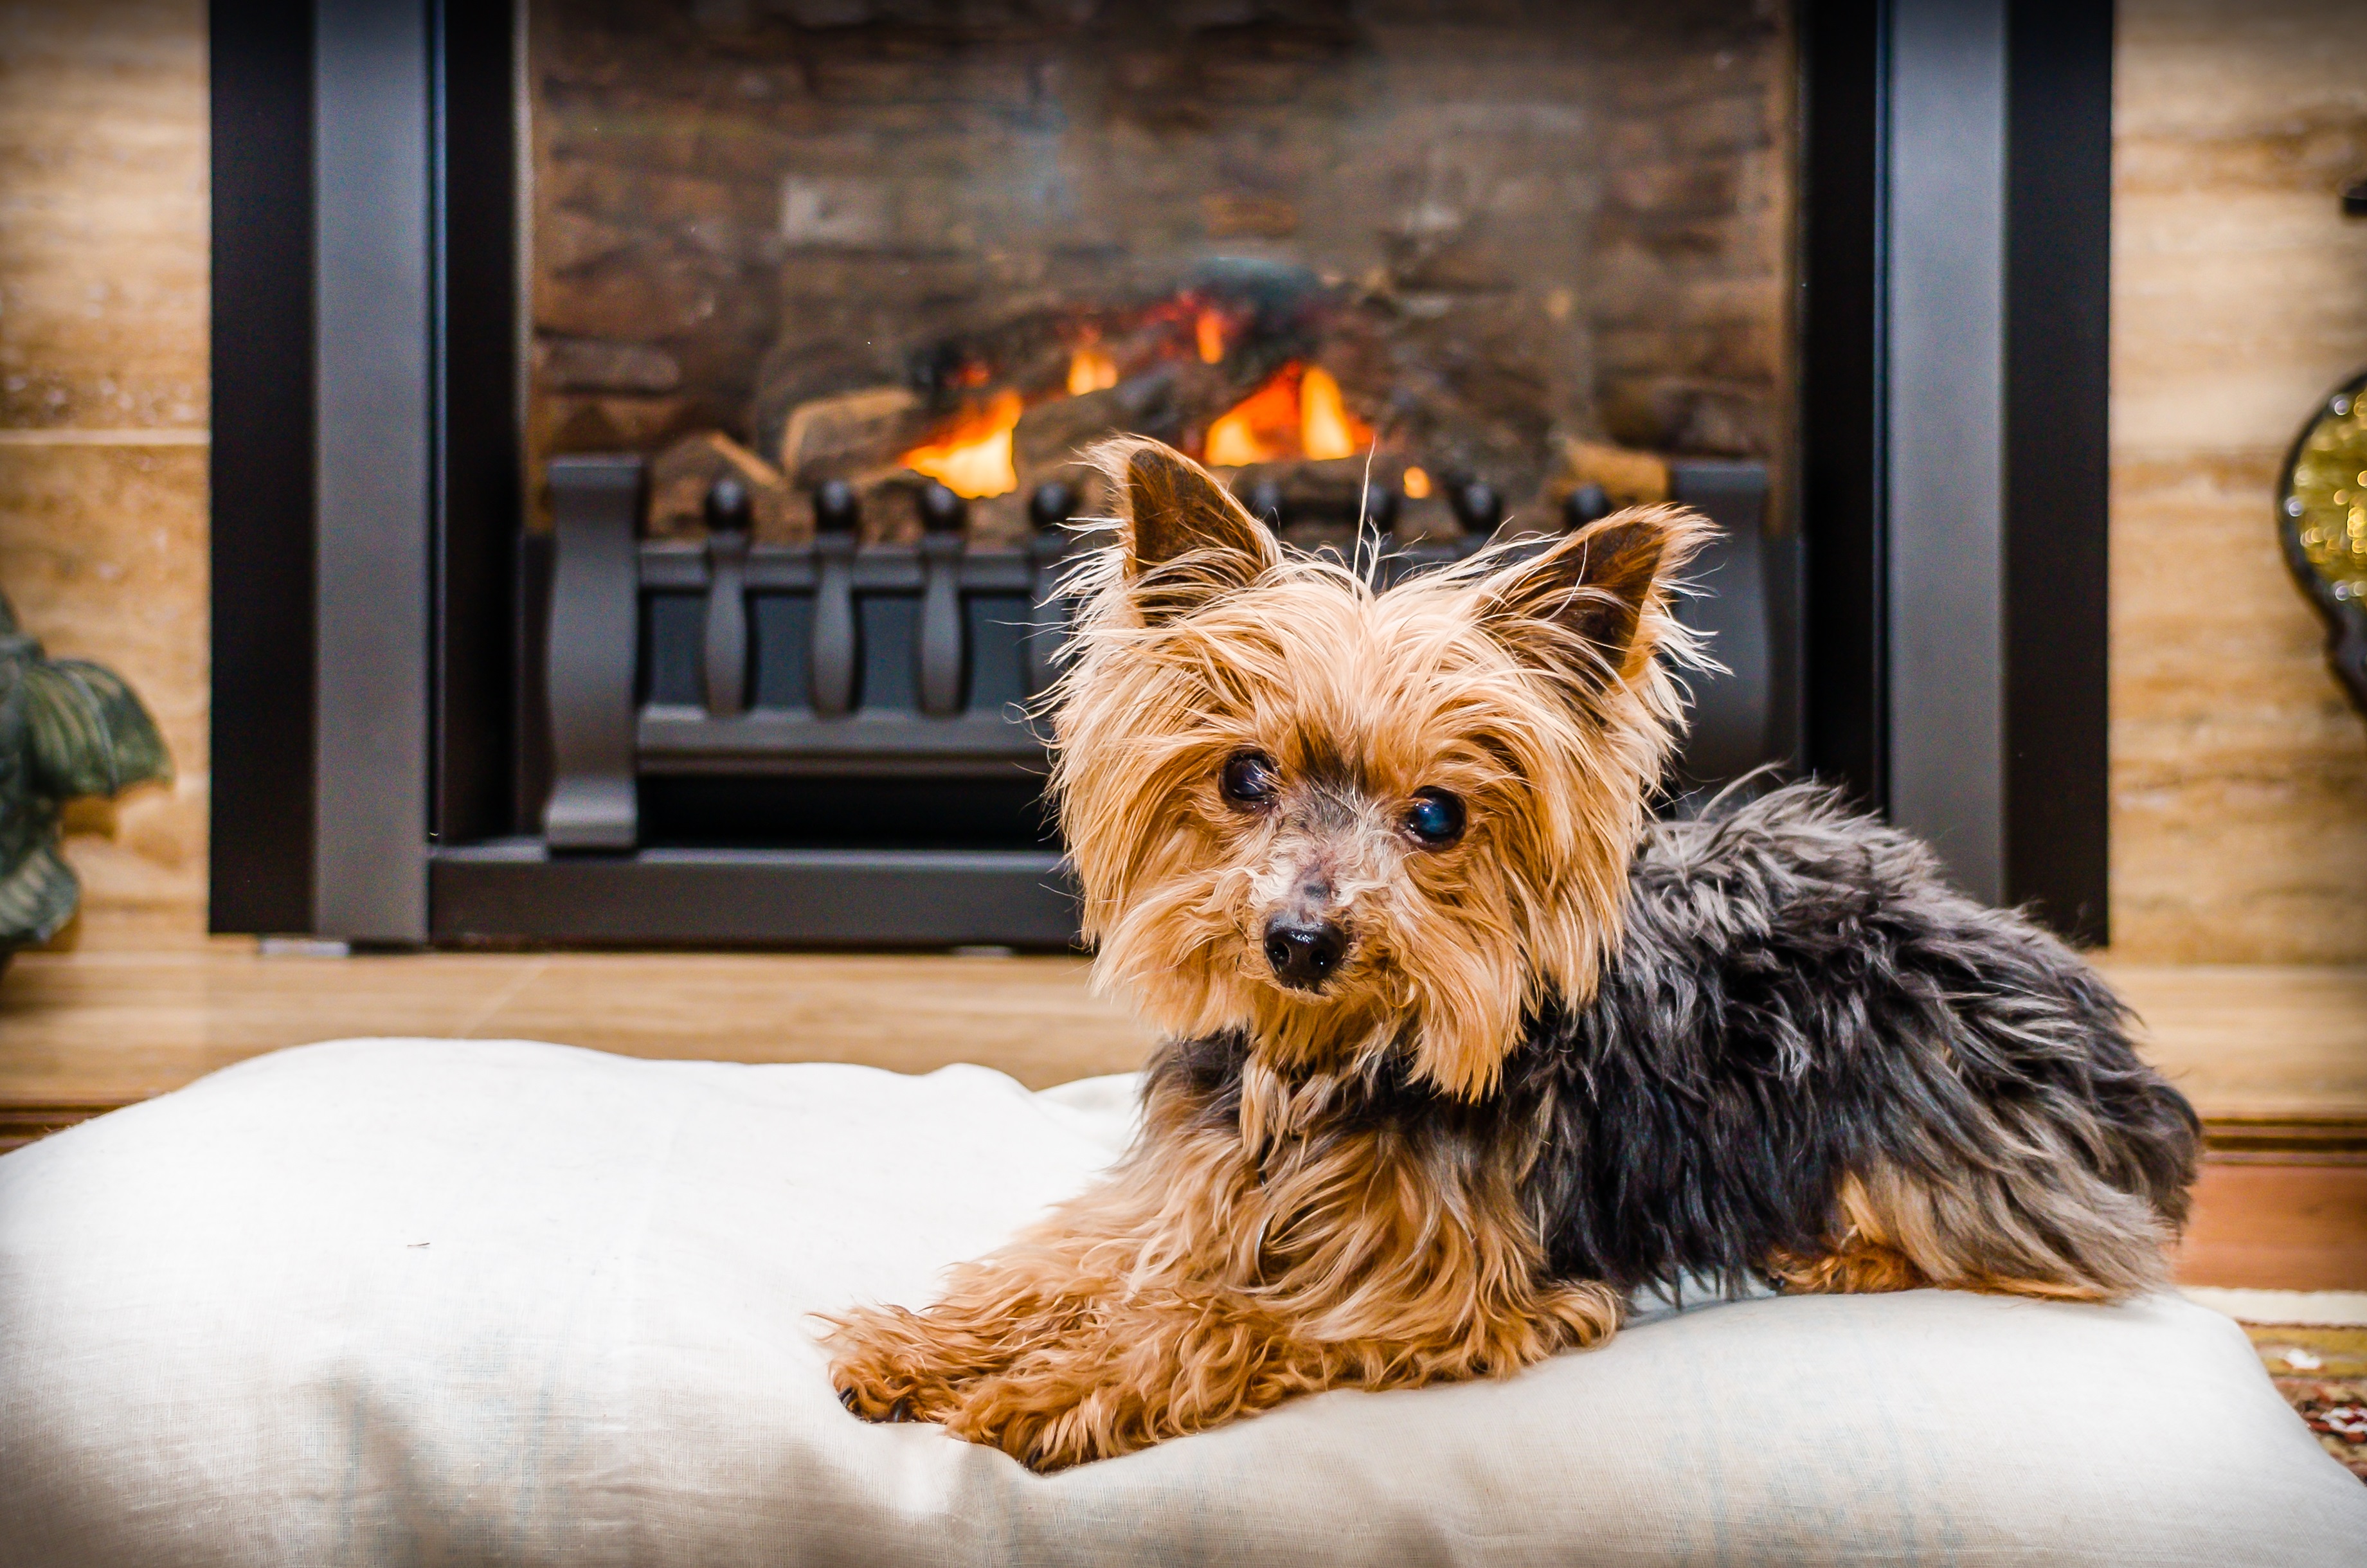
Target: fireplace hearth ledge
[(519, 891)]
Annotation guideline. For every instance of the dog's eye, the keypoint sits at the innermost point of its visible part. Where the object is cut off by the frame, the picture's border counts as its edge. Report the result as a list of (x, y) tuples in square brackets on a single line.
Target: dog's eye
[(1248, 778), (1435, 818)]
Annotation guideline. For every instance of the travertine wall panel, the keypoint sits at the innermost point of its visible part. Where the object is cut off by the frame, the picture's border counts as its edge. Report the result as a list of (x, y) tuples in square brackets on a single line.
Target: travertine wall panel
[(2239, 297), (103, 182), (103, 397), (103, 554)]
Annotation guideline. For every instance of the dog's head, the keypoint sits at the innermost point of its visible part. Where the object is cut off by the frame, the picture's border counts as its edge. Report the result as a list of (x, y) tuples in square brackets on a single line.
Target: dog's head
[(1349, 821)]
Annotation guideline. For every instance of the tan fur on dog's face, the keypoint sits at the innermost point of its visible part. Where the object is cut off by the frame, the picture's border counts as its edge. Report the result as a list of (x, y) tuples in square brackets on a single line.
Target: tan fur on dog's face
[(1526, 690)]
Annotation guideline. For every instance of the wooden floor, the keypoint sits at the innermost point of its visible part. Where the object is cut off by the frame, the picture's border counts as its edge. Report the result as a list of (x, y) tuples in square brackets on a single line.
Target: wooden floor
[(2275, 1059), (113, 1026)]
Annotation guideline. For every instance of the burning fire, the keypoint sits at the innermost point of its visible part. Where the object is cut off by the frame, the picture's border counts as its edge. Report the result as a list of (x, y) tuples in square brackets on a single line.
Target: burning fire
[(1417, 484), (1326, 428), (972, 456), (1090, 370), (1298, 412)]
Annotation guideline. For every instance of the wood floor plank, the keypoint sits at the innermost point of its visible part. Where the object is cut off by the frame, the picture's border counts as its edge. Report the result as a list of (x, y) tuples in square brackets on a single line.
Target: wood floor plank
[(119, 1025), (106, 1025), (1029, 1016)]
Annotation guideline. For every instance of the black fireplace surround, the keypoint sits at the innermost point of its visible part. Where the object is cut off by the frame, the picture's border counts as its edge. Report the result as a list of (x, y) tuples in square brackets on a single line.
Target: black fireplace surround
[(431, 725)]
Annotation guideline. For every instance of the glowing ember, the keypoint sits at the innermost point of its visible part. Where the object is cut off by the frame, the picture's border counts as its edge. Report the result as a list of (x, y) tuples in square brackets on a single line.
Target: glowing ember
[(1090, 370), (1298, 412), (1417, 484), (972, 456), (1208, 332)]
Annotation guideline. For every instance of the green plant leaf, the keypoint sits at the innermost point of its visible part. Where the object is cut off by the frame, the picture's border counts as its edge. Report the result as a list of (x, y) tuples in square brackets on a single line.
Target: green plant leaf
[(37, 896), (90, 734)]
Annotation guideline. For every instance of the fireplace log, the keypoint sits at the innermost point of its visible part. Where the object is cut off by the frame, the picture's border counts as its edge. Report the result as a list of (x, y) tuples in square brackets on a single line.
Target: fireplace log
[(1050, 434), (1625, 477), (682, 476), (850, 434)]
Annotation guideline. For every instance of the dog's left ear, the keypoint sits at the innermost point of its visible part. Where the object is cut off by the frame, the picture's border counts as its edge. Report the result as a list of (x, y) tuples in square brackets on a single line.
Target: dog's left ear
[(1587, 608), (1184, 539)]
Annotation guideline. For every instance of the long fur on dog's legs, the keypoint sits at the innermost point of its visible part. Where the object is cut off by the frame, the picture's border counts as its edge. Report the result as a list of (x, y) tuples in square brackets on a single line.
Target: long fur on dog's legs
[(1212, 1276)]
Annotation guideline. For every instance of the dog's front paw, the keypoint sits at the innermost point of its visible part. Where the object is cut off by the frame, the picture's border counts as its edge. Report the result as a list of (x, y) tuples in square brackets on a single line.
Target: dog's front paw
[(1047, 1418), (1120, 1383), (885, 1368)]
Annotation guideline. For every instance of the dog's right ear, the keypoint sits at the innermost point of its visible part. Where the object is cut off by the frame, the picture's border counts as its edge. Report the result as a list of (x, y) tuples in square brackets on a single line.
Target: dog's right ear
[(1184, 539), (1592, 607)]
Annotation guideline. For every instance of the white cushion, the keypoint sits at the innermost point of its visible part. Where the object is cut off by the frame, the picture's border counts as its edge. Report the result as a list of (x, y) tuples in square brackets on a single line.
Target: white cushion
[(414, 1300)]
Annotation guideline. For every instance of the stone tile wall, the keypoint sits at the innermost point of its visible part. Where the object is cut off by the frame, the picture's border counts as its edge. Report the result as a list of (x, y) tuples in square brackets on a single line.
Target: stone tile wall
[(2240, 299), (1690, 303), (103, 399)]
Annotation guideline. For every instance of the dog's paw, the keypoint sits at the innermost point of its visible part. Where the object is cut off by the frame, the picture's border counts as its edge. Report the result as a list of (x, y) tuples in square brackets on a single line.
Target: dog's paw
[(873, 1393), (1047, 1424), (882, 1370)]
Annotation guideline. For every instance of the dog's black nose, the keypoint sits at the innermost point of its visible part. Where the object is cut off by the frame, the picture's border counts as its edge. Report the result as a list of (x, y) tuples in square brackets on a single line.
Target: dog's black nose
[(1304, 952)]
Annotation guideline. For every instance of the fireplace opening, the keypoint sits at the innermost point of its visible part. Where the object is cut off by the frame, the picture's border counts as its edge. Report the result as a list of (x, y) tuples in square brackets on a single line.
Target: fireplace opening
[(826, 300), (1318, 246)]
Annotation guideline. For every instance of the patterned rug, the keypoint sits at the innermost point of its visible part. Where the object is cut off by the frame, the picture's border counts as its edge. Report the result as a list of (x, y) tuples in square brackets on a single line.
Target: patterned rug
[(2322, 1372)]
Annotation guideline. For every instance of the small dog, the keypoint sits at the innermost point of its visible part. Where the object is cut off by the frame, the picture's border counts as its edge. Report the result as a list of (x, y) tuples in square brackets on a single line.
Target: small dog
[(1464, 1048)]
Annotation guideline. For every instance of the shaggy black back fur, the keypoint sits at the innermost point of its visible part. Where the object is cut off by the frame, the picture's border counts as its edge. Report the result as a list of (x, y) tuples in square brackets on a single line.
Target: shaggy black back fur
[(1799, 996)]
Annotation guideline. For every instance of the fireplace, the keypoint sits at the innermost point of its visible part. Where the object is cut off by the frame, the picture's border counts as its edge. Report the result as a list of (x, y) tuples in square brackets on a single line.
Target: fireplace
[(891, 232), (722, 368)]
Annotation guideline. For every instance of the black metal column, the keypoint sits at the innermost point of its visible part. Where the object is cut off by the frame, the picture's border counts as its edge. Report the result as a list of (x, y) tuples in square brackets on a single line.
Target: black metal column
[(260, 859), (2058, 360), (1844, 180)]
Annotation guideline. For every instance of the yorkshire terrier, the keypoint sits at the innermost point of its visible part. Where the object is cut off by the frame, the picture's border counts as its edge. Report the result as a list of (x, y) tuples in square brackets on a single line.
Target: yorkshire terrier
[(1464, 1048)]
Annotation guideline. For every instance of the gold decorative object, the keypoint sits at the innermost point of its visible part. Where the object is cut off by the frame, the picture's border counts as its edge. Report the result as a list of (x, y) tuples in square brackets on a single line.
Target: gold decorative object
[(2322, 517)]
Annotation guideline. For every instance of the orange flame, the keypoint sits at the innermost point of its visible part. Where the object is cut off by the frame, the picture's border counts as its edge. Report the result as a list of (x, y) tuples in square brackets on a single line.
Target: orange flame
[(1298, 412), (1090, 370), (1417, 484), (1326, 428), (972, 456), (1262, 427), (1208, 333)]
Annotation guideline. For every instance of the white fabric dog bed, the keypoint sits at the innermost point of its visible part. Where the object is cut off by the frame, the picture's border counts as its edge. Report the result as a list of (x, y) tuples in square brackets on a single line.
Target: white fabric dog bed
[(424, 1302)]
